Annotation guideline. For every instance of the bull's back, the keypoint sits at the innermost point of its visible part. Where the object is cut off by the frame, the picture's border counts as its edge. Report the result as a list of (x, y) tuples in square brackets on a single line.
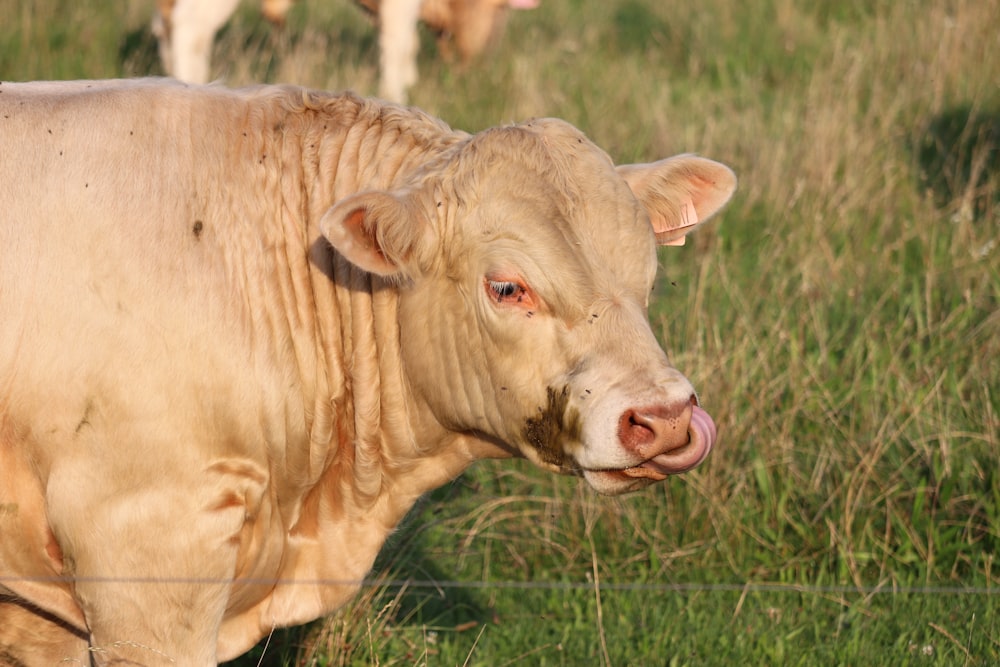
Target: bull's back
[(97, 179), (117, 285)]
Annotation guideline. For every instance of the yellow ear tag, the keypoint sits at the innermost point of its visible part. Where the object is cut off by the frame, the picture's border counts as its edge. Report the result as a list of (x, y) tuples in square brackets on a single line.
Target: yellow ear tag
[(689, 218)]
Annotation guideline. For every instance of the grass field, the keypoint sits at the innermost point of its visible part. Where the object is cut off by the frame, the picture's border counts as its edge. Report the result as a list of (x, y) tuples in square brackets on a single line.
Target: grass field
[(841, 321)]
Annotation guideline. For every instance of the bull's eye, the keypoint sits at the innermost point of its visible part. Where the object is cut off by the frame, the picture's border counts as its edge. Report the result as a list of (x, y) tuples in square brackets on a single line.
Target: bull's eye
[(502, 290), (505, 291), (513, 292)]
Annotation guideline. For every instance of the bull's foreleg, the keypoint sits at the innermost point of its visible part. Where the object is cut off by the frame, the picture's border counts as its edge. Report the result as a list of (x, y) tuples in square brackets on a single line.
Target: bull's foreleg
[(152, 566), (31, 637)]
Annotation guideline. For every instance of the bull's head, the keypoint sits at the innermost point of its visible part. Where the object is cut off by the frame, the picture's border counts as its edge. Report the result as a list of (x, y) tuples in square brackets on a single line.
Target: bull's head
[(528, 260)]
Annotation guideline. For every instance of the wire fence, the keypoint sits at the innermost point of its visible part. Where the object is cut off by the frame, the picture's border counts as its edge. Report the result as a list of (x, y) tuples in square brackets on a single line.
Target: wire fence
[(664, 587)]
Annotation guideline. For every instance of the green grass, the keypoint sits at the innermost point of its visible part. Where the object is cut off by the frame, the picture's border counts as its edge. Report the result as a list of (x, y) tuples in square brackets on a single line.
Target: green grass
[(841, 321)]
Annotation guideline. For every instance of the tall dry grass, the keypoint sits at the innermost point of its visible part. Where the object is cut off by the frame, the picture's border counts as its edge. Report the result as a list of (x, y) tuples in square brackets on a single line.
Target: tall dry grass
[(841, 321)]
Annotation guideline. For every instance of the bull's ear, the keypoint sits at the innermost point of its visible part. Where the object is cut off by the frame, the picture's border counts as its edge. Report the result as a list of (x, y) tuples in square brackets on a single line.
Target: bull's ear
[(679, 193), (379, 232)]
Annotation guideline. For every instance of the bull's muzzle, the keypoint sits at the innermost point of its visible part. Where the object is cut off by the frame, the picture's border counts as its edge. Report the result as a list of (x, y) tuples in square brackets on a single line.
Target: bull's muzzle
[(671, 439)]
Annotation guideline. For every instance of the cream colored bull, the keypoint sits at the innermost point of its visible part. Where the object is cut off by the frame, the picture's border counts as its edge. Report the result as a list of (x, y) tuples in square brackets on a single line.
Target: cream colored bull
[(242, 331), (186, 30)]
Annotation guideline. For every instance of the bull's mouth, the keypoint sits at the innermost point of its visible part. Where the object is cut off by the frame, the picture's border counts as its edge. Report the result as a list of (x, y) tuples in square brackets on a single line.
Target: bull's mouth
[(701, 437)]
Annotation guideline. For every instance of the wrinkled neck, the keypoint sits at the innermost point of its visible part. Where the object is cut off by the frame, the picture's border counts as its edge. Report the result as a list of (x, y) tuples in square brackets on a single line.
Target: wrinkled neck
[(342, 323)]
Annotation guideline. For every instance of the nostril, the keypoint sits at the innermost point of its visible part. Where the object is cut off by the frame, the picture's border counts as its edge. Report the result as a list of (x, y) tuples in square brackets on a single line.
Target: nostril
[(634, 430), (654, 429)]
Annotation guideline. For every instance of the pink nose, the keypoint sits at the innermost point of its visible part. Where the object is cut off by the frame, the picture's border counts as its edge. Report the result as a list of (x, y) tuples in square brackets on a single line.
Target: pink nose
[(670, 438)]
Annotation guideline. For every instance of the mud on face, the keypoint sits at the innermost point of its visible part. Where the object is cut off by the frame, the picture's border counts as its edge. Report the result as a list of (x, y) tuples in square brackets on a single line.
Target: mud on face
[(554, 425)]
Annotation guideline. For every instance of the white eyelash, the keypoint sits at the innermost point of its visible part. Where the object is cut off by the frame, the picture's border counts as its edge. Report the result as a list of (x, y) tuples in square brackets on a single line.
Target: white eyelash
[(503, 289)]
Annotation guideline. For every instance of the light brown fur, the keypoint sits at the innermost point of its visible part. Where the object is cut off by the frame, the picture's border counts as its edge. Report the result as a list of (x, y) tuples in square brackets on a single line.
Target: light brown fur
[(205, 410)]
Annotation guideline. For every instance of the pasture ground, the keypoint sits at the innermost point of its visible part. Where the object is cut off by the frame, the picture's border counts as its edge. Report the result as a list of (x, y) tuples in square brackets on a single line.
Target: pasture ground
[(841, 321)]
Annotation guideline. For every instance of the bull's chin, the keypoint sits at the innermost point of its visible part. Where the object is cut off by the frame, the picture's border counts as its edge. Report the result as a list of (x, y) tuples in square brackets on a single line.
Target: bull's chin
[(617, 482)]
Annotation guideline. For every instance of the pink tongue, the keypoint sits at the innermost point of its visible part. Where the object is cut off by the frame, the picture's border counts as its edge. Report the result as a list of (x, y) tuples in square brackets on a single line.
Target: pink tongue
[(702, 433), (523, 4)]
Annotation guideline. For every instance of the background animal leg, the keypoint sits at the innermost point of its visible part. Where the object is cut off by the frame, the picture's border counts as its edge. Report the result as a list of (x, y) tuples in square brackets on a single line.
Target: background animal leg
[(398, 46), (190, 31)]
